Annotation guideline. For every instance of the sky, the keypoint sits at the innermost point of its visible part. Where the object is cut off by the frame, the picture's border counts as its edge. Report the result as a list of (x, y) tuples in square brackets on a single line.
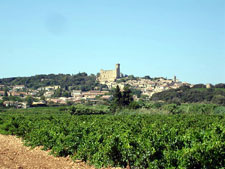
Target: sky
[(159, 38)]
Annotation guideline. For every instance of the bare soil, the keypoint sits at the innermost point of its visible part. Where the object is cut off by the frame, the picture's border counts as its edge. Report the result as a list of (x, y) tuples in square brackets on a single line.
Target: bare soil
[(14, 155)]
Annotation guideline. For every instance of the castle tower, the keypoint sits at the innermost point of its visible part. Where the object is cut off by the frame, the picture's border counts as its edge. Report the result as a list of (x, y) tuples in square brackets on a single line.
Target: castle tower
[(175, 79), (118, 70)]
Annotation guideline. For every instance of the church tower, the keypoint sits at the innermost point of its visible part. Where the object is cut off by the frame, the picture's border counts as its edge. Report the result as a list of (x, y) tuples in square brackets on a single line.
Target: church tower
[(118, 70)]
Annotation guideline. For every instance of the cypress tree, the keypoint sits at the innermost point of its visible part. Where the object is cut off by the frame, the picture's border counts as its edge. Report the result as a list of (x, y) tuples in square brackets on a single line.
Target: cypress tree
[(117, 96)]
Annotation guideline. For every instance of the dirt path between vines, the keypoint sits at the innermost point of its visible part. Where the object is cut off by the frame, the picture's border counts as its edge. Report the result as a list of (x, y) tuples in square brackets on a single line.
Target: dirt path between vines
[(14, 155)]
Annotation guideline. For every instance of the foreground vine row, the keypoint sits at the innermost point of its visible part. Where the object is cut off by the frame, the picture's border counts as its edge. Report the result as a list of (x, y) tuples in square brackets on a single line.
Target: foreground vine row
[(143, 141)]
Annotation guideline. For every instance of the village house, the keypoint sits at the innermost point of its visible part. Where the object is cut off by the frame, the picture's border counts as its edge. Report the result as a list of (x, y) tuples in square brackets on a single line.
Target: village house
[(2, 93), (10, 103), (94, 93), (55, 100), (15, 104), (33, 93), (18, 87), (148, 86), (76, 93), (39, 103), (2, 87), (49, 93), (24, 105), (20, 94), (107, 97), (49, 88), (90, 98)]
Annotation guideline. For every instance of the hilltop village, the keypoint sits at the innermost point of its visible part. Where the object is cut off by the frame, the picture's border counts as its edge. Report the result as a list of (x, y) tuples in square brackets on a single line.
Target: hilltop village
[(21, 96), (148, 86)]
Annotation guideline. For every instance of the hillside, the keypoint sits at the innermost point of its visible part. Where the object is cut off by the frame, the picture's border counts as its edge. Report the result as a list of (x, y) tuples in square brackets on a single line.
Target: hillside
[(192, 95), (81, 81)]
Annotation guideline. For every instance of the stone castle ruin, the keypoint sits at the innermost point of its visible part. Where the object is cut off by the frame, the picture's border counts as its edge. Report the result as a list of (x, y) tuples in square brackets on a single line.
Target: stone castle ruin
[(109, 75)]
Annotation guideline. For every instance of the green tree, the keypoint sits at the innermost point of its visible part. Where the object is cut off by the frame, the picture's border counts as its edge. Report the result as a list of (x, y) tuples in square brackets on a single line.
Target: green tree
[(136, 92), (43, 98), (117, 96), (6, 91), (29, 100), (218, 99), (131, 77), (147, 77), (121, 99), (1, 103), (66, 94), (58, 93), (117, 99), (127, 97)]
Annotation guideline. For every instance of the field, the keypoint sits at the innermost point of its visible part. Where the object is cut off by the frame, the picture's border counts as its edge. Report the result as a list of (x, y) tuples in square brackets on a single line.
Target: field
[(180, 140)]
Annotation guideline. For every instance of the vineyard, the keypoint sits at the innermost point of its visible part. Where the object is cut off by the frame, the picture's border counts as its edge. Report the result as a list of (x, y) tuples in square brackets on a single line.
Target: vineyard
[(141, 141)]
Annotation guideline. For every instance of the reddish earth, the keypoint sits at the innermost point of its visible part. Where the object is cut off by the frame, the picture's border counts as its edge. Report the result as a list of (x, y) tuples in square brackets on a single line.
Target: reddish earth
[(14, 155)]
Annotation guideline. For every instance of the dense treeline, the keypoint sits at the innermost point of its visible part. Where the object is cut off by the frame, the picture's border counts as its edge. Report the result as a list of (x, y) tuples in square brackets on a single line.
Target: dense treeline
[(137, 141), (186, 94), (80, 81), (219, 85), (165, 108)]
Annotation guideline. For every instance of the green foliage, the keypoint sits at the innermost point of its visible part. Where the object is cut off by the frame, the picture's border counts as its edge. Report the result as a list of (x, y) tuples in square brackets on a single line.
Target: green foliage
[(218, 99), (135, 105), (172, 108), (194, 108), (127, 97), (175, 108), (122, 80), (6, 92), (220, 85), (136, 92), (122, 99), (117, 97), (186, 94), (1, 103), (29, 100), (147, 77), (39, 110), (58, 93), (219, 110), (13, 98), (87, 110), (43, 98), (80, 81), (131, 77), (66, 94), (138, 141), (199, 86), (152, 105)]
